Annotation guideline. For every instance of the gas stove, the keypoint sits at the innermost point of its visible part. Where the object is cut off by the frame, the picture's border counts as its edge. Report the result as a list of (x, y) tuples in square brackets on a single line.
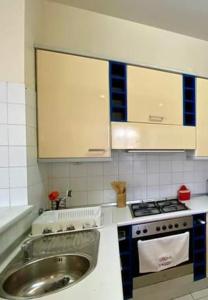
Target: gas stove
[(156, 207)]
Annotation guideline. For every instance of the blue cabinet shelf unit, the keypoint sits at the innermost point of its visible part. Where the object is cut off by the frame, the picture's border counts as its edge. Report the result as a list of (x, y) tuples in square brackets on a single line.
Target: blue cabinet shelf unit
[(199, 246), (125, 247), (118, 91), (189, 102)]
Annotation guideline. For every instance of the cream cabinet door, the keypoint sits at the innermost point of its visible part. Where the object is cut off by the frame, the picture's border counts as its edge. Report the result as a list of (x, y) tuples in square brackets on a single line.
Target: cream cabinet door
[(154, 96), (131, 136), (73, 106), (201, 117)]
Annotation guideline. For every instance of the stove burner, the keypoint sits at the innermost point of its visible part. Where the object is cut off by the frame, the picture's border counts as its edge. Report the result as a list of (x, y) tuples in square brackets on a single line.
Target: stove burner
[(143, 205), (168, 202), (158, 207), (146, 212), (172, 208)]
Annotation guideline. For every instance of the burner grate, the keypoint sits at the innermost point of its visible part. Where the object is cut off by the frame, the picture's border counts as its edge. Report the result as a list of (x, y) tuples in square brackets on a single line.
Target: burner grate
[(154, 208), (146, 212)]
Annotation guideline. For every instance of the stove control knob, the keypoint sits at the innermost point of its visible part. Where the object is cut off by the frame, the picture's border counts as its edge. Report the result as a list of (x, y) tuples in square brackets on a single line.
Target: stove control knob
[(176, 225), (184, 224), (170, 226), (158, 228), (145, 231), (164, 227), (138, 232)]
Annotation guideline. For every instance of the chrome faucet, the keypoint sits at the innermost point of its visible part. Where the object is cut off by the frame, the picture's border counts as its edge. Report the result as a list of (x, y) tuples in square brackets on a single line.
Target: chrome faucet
[(27, 250)]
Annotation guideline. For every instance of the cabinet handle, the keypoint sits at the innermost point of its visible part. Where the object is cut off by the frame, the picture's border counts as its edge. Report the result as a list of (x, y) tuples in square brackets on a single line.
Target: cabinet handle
[(156, 118), (96, 150)]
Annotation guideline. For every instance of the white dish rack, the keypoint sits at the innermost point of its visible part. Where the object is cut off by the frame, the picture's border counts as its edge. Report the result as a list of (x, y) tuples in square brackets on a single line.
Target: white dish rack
[(68, 220)]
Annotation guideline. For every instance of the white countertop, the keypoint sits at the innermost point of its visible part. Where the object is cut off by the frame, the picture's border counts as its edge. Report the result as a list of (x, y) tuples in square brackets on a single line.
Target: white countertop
[(122, 216), (105, 280), (10, 215)]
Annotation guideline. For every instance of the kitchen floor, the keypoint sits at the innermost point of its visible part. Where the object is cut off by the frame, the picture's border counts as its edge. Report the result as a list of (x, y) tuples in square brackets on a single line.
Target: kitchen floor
[(200, 295)]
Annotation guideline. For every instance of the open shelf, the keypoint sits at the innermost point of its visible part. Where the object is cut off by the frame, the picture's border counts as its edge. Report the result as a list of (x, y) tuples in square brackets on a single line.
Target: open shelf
[(118, 91), (189, 103)]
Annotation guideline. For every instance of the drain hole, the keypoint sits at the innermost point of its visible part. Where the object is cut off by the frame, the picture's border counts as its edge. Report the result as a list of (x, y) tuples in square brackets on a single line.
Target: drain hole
[(58, 284)]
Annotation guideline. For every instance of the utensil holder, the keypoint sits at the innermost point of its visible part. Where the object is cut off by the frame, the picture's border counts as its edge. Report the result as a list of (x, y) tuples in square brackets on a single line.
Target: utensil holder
[(121, 200)]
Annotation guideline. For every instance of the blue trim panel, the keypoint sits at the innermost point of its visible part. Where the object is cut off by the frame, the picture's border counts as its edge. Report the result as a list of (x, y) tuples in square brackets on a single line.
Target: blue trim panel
[(189, 100), (118, 91), (125, 247), (199, 246)]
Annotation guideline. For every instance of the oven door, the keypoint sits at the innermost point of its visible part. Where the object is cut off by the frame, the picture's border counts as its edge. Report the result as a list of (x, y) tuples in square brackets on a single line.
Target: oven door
[(144, 279)]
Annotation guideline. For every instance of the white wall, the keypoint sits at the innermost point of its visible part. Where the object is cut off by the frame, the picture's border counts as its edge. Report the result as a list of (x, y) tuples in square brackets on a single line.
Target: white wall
[(79, 31), (36, 173), (22, 180), (12, 41)]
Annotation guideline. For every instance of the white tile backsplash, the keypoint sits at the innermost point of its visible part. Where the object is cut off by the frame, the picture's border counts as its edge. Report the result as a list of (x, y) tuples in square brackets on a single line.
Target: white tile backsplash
[(139, 166), (4, 156), (110, 168), (95, 183), (4, 178), (165, 178), (148, 176), (12, 134), (17, 156), (3, 91), (78, 170), (3, 135), (95, 197), (18, 177), (17, 135), (3, 113), (16, 114), (16, 93), (94, 170), (78, 184), (4, 197), (22, 179), (18, 196)]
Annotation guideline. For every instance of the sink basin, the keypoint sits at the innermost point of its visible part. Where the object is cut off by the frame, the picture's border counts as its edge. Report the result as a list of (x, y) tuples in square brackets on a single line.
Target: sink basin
[(47, 264), (45, 275)]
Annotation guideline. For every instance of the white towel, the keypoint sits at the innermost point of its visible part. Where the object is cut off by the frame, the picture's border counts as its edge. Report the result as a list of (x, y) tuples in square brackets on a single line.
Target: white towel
[(163, 253)]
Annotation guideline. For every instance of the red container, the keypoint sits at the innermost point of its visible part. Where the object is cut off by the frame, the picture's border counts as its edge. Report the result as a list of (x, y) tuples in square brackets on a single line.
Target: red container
[(184, 193)]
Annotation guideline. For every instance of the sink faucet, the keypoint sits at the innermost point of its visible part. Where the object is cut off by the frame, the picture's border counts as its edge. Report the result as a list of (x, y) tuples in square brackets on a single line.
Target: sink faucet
[(27, 250)]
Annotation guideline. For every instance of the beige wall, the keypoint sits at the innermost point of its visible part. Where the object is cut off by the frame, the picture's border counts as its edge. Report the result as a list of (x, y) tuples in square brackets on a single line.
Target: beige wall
[(33, 28), (36, 173), (79, 31), (12, 40)]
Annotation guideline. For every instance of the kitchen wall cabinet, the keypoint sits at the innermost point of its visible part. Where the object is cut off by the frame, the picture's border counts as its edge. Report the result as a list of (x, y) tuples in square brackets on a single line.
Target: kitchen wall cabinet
[(143, 136), (202, 118), (154, 96), (73, 106)]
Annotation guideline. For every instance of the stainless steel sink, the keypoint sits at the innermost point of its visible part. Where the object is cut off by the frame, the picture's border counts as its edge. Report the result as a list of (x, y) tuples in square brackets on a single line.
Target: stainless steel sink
[(40, 270)]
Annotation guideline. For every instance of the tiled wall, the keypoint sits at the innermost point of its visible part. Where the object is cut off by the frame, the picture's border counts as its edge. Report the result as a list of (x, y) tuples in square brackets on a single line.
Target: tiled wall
[(13, 172), (22, 179), (36, 173), (148, 176)]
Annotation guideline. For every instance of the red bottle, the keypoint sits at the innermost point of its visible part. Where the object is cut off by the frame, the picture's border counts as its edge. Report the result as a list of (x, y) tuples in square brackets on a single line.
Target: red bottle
[(184, 193)]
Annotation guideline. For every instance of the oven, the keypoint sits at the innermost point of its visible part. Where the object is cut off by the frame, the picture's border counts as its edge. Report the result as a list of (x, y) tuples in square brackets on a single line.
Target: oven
[(159, 229)]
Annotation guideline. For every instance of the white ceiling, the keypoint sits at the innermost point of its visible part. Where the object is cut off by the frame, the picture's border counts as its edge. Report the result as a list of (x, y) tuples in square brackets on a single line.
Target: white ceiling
[(188, 17)]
